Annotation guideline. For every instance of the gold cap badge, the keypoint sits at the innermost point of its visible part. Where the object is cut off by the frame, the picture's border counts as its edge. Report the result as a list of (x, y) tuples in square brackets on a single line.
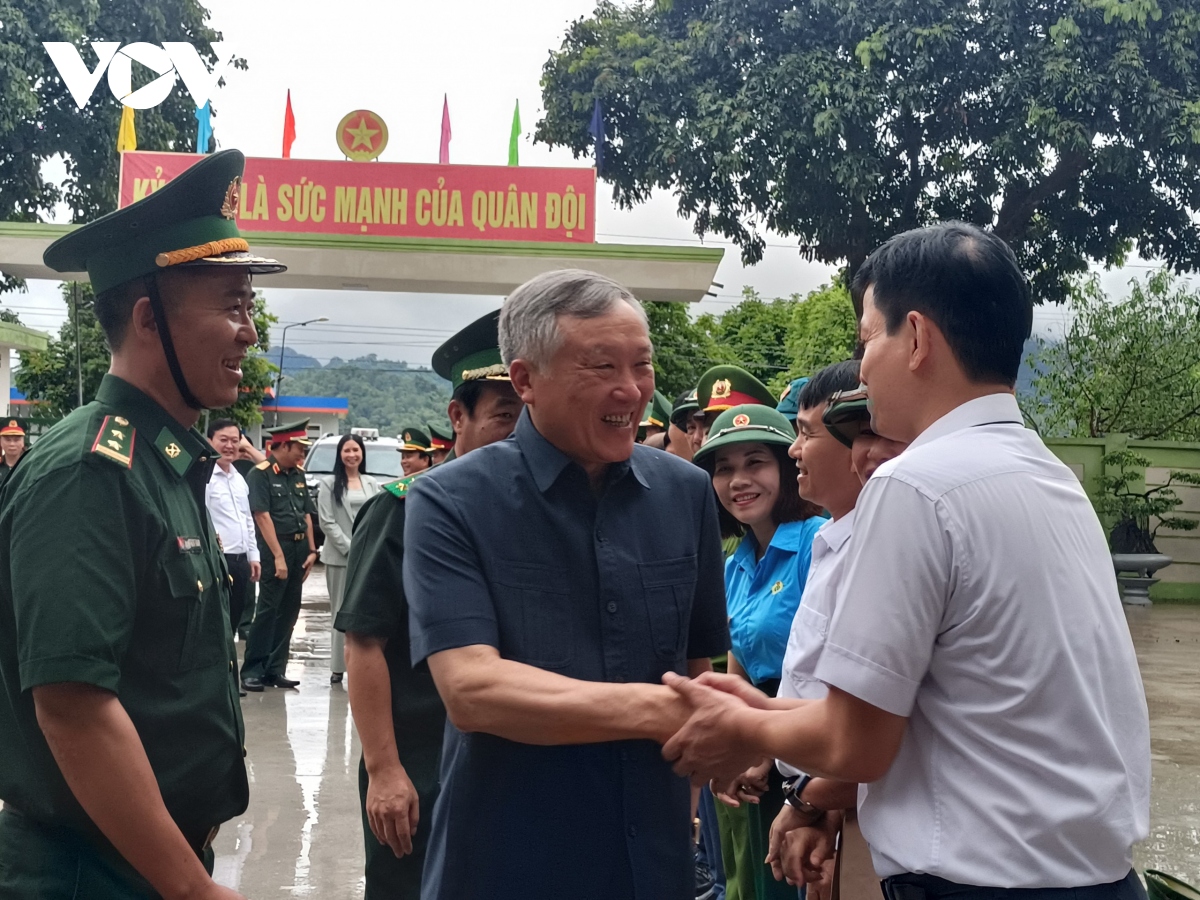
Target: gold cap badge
[(232, 197), (722, 389)]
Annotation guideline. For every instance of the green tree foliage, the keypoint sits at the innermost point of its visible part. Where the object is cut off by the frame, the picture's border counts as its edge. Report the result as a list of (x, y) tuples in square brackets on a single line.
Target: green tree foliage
[(383, 394), (683, 348), (776, 340), (1130, 367), (1072, 128), (39, 120), (823, 331), (49, 377)]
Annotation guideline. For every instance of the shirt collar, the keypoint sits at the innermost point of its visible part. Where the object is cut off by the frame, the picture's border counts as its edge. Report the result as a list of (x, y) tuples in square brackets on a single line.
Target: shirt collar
[(547, 462), (180, 448), (786, 538), (836, 532), (990, 409)]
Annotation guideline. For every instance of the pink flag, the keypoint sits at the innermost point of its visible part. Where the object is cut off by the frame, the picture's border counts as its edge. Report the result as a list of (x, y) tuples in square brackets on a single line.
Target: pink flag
[(444, 149), (289, 128)]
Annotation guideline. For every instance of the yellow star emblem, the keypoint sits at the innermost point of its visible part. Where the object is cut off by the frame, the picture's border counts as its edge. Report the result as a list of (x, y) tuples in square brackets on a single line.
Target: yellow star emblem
[(777, 587), (362, 135), (172, 450)]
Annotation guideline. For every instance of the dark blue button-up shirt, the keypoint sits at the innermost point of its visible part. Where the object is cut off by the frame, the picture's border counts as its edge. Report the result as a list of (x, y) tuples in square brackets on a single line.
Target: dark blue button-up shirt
[(511, 547)]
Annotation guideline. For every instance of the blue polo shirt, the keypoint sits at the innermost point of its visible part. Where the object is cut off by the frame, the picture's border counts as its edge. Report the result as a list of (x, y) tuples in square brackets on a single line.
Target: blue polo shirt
[(510, 547), (763, 595)]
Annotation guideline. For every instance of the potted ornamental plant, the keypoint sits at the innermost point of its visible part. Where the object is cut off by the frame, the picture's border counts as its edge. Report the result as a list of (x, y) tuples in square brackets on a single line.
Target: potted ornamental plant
[(1139, 512)]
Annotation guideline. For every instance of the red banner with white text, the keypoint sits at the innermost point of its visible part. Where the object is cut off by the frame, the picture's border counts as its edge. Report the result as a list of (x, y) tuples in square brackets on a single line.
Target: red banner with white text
[(311, 196)]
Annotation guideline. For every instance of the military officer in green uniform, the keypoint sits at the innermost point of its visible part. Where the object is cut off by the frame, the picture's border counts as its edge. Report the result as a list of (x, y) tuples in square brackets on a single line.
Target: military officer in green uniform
[(656, 418), (283, 510), (12, 446), (396, 708), (416, 451), (121, 738)]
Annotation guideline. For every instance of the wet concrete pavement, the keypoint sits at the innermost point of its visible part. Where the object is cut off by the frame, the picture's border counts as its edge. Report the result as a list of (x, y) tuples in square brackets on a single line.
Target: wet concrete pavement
[(302, 835)]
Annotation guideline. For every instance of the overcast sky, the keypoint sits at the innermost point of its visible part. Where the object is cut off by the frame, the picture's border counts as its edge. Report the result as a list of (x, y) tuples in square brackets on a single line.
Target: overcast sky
[(398, 59)]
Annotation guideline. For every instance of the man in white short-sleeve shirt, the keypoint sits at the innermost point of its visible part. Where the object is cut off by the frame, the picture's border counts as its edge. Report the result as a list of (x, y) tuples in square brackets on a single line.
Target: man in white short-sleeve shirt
[(983, 683)]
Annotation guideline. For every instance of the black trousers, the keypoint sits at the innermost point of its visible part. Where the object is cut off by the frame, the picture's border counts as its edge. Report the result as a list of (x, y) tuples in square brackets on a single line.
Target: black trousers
[(927, 887), (239, 568)]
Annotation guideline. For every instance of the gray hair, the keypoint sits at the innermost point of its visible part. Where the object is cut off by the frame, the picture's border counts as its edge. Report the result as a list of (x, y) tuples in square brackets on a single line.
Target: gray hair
[(529, 317)]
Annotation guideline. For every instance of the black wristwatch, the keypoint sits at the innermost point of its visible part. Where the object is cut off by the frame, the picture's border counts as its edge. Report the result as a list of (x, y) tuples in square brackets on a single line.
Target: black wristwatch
[(792, 789)]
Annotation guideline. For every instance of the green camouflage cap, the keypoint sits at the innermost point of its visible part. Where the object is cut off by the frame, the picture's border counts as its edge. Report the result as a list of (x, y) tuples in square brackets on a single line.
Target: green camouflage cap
[(685, 405), (845, 411), (747, 423), (723, 387), (473, 354), (415, 439), (190, 221)]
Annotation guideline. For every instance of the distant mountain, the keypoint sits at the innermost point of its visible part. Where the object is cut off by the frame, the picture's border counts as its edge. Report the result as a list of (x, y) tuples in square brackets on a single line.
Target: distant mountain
[(383, 393), (293, 361)]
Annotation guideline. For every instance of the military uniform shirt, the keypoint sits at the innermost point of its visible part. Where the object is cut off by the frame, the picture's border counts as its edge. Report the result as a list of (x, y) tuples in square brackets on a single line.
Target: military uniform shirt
[(284, 495), (110, 575)]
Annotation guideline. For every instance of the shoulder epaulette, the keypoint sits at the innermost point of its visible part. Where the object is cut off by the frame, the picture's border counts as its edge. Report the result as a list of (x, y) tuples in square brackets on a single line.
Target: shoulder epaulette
[(266, 463), (399, 487), (114, 441)]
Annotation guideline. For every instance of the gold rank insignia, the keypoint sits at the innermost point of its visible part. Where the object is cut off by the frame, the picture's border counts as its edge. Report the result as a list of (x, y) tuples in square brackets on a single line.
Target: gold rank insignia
[(777, 587), (722, 389), (232, 196), (115, 445), (177, 457), (172, 450)]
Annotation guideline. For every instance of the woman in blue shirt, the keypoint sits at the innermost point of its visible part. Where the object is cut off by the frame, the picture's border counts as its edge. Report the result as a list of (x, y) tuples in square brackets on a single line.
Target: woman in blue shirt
[(755, 483)]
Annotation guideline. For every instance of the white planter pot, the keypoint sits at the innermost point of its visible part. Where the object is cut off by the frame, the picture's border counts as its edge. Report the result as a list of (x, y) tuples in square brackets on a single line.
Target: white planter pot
[(1135, 575)]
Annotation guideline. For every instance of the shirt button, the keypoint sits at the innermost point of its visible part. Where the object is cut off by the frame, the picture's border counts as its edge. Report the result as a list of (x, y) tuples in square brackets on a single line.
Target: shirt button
[(199, 585), (612, 607), (633, 831)]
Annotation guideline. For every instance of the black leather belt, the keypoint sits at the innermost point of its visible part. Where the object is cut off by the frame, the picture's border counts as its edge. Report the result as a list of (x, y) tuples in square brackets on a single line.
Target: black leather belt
[(927, 887), (200, 843), (235, 555)]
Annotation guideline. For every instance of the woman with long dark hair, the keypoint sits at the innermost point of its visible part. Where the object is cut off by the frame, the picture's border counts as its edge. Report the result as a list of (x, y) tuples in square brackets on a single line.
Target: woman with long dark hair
[(746, 454), (341, 496)]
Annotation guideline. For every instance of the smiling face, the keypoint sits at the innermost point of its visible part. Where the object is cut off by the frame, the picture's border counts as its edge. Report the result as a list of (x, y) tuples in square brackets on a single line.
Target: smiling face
[(871, 451), (289, 454), (826, 477), (746, 479), (588, 400), (210, 315), (352, 456), (414, 461), (225, 441), (887, 371)]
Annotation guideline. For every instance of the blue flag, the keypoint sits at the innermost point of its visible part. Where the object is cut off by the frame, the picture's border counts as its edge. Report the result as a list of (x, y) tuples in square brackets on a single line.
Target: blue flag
[(203, 128), (596, 130)]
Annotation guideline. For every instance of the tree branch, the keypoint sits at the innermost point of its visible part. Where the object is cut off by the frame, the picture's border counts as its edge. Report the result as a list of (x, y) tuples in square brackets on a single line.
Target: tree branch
[(1018, 208)]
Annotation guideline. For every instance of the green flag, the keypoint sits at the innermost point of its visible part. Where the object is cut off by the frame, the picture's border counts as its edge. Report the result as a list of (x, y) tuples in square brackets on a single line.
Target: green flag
[(515, 136)]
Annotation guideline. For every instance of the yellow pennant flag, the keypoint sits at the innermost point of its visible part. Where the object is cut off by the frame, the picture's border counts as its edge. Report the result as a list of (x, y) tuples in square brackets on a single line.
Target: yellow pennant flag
[(126, 136)]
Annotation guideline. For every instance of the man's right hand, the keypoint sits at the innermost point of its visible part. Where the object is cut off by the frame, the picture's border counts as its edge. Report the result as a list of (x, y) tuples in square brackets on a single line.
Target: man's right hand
[(393, 809), (281, 570)]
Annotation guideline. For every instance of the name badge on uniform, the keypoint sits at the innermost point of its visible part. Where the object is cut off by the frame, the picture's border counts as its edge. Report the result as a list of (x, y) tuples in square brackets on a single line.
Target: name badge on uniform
[(188, 544)]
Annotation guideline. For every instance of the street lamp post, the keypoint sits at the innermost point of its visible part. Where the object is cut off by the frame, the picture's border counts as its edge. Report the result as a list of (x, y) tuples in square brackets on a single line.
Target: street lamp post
[(282, 346)]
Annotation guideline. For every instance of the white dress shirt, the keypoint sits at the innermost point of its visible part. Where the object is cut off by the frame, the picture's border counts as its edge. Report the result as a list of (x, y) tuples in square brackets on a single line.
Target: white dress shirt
[(979, 601), (811, 623), (228, 500)]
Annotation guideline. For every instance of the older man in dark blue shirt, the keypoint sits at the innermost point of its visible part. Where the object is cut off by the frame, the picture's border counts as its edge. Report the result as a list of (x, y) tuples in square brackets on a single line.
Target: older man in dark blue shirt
[(552, 582)]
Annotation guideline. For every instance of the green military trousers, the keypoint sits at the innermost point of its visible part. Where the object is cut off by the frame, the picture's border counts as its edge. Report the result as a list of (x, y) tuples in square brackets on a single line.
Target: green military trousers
[(39, 862), (278, 609)]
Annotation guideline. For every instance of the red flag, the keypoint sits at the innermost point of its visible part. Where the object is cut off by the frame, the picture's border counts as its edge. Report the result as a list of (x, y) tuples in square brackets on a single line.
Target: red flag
[(444, 150), (289, 128)]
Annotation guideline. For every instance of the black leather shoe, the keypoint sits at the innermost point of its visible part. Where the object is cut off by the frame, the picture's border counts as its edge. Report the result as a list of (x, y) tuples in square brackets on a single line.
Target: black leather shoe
[(241, 692), (250, 683), (335, 678), (280, 682)]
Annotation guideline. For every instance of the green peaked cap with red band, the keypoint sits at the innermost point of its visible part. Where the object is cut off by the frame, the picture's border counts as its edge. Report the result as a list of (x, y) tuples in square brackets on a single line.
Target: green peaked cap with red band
[(473, 354), (414, 438), (441, 437), (293, 431), (723, 387)]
